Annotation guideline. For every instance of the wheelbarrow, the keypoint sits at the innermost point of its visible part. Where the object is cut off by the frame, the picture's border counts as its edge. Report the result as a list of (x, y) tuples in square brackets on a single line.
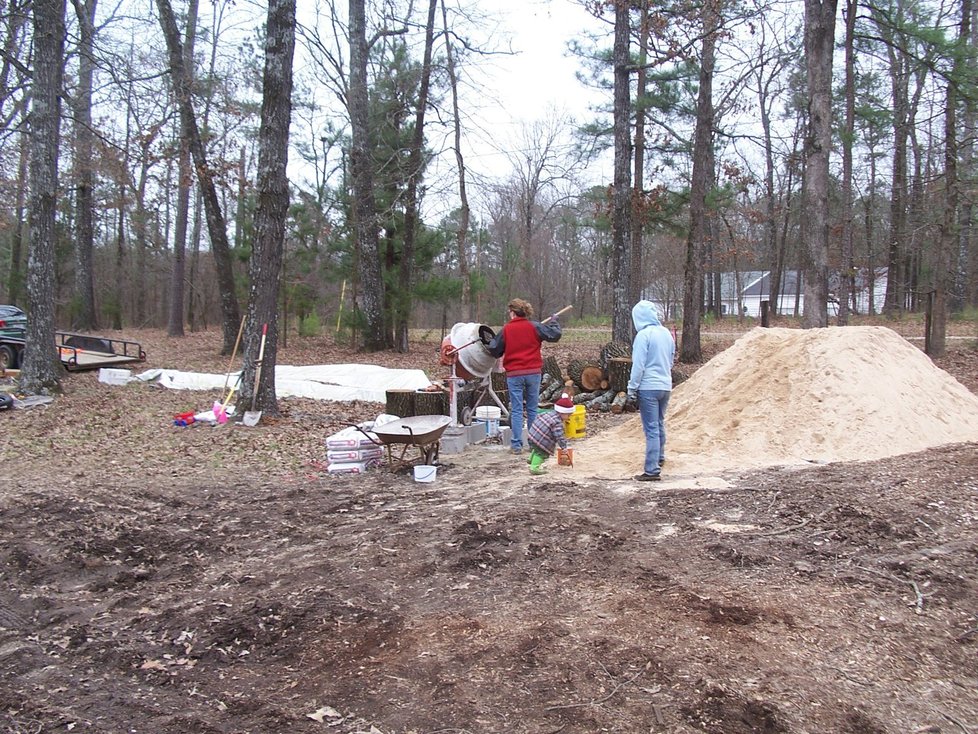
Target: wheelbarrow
[(423, 431)]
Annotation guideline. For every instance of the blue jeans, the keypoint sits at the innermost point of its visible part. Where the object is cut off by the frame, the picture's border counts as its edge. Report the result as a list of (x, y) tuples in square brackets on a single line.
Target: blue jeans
[(524, 387), (652, 406)]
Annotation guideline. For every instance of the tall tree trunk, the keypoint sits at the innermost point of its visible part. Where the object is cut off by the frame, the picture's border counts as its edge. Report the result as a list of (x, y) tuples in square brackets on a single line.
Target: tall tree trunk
[(462, 233), (967, 252), (273, 202), (41, 370), (140, 227), (370, 298), (215, 218), (819, 45), (402, 314), (702, 177), (899, 83), (937, 343), (15, 279), (84, 315), (621, 316), (636, 276), (847, 275), (184, 185), (120, 258)]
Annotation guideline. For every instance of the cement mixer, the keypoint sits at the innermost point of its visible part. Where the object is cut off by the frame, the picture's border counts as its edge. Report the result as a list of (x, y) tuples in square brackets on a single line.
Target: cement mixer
[(465, 350), (467, 347)]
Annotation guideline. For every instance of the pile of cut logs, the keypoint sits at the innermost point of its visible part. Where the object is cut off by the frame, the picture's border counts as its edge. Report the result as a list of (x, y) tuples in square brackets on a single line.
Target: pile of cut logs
[(600, 385)]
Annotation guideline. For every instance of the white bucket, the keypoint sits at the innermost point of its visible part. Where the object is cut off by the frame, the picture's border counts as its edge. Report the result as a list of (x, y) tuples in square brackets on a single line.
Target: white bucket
[(490, 415), (425, 473)]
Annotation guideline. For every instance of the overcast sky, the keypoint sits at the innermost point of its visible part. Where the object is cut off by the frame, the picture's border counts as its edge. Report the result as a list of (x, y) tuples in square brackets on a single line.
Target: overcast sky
[(538, 79)]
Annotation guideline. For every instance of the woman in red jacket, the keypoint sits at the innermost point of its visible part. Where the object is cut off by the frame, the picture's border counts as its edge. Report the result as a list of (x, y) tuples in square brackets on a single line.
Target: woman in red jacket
[(519, 343)]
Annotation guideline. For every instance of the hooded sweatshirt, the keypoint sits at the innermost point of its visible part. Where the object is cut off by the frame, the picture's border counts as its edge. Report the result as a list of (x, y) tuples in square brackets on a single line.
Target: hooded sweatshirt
[(653, 351)]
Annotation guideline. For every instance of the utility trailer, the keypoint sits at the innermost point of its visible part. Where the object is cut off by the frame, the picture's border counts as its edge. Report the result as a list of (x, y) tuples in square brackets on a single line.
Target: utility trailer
[(77, 352)]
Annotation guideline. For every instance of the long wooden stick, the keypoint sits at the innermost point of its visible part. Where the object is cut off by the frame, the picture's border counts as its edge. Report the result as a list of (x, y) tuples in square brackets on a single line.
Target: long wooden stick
[(234, 353), (564, 310)]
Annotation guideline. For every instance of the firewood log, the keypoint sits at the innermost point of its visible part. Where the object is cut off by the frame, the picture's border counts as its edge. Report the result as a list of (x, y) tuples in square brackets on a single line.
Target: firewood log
[(552, 368), (600, 399), (574, 369), (619, 370), (591, 378), (583, 397)]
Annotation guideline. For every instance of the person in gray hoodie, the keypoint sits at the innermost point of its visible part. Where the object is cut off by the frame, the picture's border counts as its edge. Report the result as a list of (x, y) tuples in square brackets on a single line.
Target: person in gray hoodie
[(650, 383)]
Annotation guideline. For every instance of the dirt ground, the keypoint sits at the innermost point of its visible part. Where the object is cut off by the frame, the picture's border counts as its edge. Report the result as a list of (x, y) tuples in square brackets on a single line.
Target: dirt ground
[(164, 580)]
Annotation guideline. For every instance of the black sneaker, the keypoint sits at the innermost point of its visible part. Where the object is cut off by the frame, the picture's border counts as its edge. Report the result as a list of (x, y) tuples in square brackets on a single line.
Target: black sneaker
[(662, 462), (648, 477)]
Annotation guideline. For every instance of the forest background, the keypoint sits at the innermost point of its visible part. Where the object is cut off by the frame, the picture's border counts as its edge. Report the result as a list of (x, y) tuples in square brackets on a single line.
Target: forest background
[(711, 110)]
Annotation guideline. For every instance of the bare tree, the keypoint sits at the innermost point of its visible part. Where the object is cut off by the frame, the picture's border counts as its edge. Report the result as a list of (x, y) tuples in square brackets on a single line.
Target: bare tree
[(41, 370), (461, 232), (702, 179), (184, 185), (621, 194), (215, 218), (819, 45), (84, 313), (273, 202), (414, 173), (936, 342), (371, 295), (847, 281)]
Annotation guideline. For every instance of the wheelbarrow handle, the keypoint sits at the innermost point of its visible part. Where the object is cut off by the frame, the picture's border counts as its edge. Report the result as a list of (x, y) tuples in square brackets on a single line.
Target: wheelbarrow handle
[(369, 437)]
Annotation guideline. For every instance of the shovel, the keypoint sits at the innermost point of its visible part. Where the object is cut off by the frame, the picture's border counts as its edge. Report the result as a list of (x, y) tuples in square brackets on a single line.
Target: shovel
[(251, 417)]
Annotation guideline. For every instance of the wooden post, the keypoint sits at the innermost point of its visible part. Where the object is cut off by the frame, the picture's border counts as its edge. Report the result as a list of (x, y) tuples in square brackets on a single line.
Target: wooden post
[(765, 313)]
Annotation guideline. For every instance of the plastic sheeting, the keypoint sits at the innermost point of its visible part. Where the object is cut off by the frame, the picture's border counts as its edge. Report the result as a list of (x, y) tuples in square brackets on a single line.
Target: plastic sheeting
[(337, 382)]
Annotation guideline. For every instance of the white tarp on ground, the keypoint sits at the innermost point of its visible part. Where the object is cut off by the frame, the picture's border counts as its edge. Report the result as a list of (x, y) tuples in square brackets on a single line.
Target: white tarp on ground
[(340, 382)]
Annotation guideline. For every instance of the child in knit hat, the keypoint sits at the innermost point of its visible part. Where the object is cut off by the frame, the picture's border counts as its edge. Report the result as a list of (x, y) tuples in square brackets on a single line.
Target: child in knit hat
[(547, 432)]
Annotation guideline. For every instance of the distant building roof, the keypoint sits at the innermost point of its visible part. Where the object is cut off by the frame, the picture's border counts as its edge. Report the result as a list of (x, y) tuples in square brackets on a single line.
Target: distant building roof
[(762, 285)]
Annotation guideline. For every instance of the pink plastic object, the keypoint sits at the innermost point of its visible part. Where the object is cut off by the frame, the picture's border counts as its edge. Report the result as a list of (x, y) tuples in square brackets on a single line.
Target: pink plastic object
[(219, 413)]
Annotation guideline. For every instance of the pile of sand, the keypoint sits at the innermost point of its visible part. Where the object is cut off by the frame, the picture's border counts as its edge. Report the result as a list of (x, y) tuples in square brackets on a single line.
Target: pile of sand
[(790, 396)]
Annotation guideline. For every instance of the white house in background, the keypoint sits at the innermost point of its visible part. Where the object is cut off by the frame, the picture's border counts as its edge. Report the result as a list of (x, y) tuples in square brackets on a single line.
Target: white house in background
[(862, 292), (755, 287)]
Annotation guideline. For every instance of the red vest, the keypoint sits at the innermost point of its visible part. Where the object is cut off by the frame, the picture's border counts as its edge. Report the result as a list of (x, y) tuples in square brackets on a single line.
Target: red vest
[(522, 355)]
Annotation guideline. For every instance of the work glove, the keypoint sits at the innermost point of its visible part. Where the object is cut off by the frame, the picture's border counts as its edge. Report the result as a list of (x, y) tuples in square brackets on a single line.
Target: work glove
[(632, 398)]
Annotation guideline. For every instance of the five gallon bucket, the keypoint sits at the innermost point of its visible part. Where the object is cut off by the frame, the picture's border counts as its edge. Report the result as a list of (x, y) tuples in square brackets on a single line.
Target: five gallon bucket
[(575, 426), (425, 473), (489, 415)]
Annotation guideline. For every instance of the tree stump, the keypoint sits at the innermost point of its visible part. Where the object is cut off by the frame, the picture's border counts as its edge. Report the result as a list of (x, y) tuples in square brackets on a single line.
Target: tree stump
[(400, 403), (551, 367), (619, 370), (611, 350), (431, 402)]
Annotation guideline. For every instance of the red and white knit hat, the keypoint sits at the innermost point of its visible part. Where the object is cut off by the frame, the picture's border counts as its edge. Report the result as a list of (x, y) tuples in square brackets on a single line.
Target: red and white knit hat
[(565, 404)]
